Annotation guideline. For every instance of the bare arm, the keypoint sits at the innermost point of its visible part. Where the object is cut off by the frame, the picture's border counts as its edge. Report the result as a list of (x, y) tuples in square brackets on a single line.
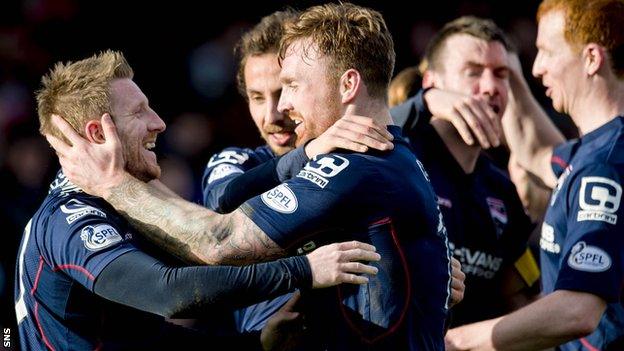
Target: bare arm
[(555, 319), (160, 185), (529, 132), (190, 231), (552, 320), (186, 230), (531, 190)]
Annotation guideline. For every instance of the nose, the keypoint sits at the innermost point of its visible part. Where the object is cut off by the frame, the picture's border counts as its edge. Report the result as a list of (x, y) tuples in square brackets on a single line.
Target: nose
[(538, 69), (272, 113), (156, 124), (284, 104), (489, 83)]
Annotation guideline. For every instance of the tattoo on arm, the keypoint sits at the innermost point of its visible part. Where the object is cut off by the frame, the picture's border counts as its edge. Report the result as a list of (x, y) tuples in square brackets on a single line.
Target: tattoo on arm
[(189, 231)]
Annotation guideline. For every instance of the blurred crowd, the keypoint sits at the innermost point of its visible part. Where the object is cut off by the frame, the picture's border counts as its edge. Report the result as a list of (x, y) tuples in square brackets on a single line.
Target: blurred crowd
[(182, 52)]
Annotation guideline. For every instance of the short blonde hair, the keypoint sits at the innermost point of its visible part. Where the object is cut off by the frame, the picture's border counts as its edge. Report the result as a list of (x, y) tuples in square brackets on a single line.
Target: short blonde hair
[(79, 91), (352, 37)]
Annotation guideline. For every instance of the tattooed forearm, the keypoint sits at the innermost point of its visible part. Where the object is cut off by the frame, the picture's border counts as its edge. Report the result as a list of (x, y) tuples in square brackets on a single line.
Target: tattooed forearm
[(247, 244), (189, 231)]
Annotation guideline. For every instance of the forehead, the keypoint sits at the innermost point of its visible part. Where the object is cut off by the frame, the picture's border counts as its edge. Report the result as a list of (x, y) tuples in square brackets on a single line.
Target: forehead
[(550, 30), (260, 70), (302, 59), (125, 93), (461, 49)]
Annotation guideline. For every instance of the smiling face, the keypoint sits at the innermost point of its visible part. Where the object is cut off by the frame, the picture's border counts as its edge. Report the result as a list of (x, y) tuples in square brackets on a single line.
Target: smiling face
[(557, 64), (309, 96), (138, 126), (475, 67), (263, 88)]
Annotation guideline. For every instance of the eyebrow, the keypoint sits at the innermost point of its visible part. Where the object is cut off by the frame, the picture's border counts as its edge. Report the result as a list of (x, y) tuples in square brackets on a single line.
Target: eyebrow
[(254, 92), (140, 104), (285, 79), (476, 64)]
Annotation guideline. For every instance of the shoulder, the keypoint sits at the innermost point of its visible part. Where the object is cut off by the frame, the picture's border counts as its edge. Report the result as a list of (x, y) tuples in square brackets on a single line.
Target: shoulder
[(615, 151), (98, 224), (240, 156), (75, 211), (352, 164)]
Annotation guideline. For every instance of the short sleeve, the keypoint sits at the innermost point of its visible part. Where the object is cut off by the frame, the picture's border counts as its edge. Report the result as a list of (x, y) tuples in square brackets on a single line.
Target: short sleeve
[(82, 247), (593, 249), (221, 168), (561, 156), (307, 203)]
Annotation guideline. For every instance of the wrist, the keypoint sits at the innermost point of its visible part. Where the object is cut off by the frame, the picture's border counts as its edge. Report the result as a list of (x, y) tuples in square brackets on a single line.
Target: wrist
[(107, 188), (310, 148)]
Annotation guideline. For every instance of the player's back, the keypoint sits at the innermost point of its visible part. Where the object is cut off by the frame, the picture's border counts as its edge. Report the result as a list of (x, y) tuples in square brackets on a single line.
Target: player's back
[(392, 206)]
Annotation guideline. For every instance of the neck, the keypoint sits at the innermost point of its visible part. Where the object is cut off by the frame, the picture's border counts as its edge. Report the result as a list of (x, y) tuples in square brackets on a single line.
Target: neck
[(375, 109), (602, 104), (465, 155)]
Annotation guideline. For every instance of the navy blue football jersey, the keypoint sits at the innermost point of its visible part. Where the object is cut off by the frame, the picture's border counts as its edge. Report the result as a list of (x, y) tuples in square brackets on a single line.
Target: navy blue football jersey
[(220, 170), (227, 165), (582, 241), (380, 198), (66, 244), (488, 228)]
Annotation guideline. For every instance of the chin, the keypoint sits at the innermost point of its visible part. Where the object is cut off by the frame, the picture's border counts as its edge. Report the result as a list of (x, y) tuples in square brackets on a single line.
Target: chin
[(559, 108), (280, 150), (301, 140)]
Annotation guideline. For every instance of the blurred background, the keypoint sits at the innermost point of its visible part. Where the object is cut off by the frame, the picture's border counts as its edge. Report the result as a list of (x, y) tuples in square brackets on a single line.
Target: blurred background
[(181, 52)]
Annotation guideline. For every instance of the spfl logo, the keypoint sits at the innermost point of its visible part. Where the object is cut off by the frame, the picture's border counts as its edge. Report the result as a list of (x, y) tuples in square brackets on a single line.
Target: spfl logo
[(281, 199), (99, 236), (588, 258)]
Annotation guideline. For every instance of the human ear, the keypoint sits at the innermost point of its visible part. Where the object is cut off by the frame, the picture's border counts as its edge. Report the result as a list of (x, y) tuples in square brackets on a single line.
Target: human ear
[(94, 132), (428, 80), (350, 82), (593, 58)]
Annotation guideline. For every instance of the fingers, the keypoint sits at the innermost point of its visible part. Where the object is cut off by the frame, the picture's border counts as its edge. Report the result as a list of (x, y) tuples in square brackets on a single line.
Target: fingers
[(371, 123), (67, 130), (455, 263), (457, 275), (352, 279), (349, 245), (341, 143), (358, 267), (110, 130), (473, 122), (490, 122), (457, 284), (359, 255), (462, 128), (58, 145), (358, 141), (292, 302), (482, 121)]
